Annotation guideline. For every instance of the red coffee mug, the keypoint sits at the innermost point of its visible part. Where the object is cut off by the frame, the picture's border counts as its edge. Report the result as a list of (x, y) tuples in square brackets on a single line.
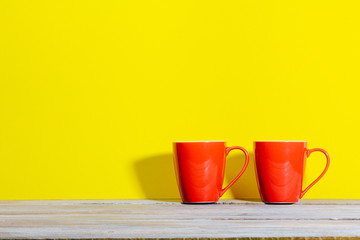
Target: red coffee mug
[(200, 168), (280, 170)]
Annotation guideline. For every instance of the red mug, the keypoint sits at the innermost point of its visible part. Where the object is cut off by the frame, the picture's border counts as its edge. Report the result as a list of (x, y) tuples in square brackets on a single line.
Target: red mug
[(280, 170), (200, 168)]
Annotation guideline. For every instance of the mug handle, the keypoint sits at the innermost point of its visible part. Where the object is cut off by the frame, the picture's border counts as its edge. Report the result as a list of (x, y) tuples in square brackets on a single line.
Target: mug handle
[(308, 152), (227, 151)]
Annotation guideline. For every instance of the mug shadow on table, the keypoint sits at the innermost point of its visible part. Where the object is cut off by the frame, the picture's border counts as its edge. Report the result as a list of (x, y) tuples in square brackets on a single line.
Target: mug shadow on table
[(157, 178), (245, 188)]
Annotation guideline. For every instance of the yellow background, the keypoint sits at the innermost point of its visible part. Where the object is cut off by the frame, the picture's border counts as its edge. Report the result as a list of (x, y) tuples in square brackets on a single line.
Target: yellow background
[(93, 93)]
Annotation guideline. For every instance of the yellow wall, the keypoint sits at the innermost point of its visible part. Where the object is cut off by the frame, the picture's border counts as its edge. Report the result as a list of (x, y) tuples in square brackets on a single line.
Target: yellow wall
[(93, 93)]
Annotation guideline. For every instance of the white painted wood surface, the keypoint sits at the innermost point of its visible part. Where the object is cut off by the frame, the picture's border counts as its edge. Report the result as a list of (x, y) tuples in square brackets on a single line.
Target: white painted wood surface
[(145, 219)]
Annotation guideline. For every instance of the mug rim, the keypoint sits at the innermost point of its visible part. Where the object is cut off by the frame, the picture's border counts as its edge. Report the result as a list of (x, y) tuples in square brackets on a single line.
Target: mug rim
[(279, 141), (199, 141)]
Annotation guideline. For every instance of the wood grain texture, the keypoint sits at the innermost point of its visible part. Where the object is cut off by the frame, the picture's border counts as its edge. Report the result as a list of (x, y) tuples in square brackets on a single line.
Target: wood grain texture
[(148, 219)]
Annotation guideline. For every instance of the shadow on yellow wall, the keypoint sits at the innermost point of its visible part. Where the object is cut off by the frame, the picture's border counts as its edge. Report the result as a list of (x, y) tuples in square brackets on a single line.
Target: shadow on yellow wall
[(246, 186), (157, 178), (156, 175)]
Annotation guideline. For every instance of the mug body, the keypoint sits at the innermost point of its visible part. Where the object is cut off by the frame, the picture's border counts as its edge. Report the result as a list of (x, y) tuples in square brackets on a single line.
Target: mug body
[(279, 170), (199, 168)]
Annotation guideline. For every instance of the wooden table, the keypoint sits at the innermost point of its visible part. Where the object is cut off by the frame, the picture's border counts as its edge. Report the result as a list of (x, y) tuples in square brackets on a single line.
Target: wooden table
[(147, 219)]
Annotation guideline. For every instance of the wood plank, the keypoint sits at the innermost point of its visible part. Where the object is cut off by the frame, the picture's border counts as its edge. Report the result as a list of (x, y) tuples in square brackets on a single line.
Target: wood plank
[(150, 219)]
